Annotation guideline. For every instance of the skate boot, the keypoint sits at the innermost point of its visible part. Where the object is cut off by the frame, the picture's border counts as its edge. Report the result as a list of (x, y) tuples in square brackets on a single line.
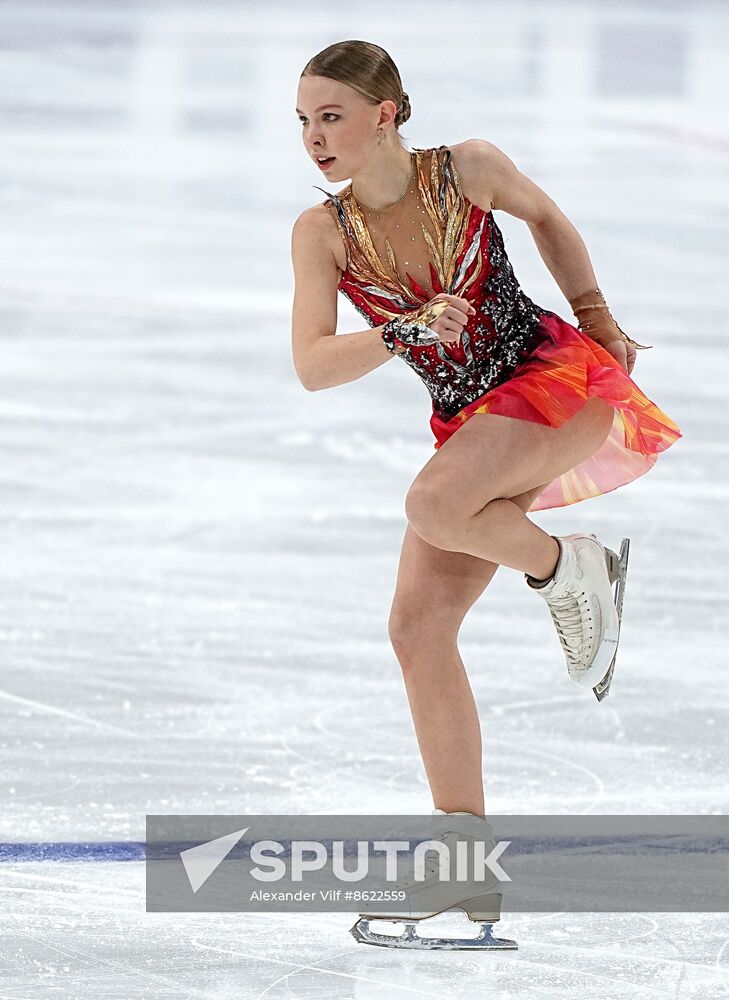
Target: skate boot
[(426, 899), (585, 612)]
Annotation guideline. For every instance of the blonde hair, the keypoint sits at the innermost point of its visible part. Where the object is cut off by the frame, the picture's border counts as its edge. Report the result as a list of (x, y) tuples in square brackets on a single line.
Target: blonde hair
[(366, 68)]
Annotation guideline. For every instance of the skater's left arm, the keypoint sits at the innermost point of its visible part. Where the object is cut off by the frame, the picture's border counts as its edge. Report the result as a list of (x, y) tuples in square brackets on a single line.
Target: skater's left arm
[(498, 181), (495, 176)]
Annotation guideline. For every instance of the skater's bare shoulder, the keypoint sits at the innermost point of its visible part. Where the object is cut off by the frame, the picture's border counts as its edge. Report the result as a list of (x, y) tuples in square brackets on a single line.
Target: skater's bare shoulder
[(316, 276), (319, 223), (494, 180)]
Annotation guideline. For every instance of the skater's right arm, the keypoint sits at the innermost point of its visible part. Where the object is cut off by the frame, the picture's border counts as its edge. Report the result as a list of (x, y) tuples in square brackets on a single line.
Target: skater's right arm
[(321, 359)]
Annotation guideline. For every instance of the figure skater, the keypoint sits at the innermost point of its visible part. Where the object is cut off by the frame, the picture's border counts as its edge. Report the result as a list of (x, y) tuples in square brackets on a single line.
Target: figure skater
[(529, 411)]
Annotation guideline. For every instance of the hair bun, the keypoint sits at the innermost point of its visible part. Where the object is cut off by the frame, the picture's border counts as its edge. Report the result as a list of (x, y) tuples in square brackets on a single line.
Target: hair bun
[(403, 111)]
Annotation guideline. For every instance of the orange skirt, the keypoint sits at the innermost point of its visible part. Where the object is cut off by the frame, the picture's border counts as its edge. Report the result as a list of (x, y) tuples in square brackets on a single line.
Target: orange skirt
[(565, 370)]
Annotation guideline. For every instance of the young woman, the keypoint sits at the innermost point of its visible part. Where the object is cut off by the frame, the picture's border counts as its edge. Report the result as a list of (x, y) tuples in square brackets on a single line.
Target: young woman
[(529, 411)]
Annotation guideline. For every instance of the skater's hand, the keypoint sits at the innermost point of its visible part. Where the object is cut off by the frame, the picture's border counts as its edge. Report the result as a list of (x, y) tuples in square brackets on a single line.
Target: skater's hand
[(450, 323), (631, 355), (622, 351), (605, 331)]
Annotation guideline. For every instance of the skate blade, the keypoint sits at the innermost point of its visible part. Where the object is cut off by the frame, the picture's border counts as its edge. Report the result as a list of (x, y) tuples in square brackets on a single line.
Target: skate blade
[(484, 941), (617, 566)]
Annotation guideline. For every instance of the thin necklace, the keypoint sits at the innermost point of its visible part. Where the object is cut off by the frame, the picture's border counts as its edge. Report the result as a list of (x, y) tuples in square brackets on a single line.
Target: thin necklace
[(387, 207)]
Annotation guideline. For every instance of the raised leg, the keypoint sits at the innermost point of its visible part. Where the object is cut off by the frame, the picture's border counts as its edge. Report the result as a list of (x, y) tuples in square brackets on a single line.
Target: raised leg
[(462, 499)]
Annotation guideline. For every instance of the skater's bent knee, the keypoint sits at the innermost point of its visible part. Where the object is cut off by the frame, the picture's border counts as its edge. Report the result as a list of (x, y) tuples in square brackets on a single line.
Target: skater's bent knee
[(430, 512), (414, 629)]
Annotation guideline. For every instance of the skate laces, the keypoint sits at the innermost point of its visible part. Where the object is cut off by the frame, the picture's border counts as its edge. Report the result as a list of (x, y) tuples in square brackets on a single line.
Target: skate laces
[(569, 620)]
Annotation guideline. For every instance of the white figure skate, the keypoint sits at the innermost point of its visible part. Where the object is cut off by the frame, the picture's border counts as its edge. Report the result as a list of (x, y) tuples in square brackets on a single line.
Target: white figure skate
[(484, 909), (586, 613)]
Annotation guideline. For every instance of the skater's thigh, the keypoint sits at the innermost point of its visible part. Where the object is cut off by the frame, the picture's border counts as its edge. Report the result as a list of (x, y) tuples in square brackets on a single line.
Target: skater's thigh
[(492, 456), (436, 587)]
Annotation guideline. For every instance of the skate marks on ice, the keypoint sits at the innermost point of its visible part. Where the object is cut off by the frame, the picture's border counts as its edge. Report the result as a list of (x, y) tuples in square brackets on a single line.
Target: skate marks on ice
[(589, 788), (606, 955), (116, 951), (39, 706)]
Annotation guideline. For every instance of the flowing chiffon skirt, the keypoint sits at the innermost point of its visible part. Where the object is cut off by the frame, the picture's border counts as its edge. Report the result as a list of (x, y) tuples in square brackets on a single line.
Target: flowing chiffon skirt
[(565, 370)]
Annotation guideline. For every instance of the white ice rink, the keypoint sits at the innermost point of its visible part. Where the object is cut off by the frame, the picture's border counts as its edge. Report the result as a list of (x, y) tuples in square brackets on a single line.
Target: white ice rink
[(198, 556)]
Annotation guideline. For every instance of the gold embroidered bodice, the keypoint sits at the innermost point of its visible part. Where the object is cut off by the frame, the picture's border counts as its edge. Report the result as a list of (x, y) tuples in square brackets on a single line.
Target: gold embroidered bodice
[(404, 236), (399, 247)]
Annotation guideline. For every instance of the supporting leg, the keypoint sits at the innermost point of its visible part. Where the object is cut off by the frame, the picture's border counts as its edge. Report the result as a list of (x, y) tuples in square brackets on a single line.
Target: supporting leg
[(445, 718), (435, 589)]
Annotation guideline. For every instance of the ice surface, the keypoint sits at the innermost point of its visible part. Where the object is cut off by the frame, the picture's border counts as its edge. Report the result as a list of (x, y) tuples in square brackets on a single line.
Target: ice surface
[(199, 556)]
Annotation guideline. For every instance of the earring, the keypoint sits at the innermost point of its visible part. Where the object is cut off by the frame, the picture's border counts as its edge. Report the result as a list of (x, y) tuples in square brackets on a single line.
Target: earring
[(379, 135)]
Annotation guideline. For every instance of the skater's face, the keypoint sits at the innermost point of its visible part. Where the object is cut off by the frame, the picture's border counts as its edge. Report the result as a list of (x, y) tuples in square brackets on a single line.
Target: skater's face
[(336, 120)]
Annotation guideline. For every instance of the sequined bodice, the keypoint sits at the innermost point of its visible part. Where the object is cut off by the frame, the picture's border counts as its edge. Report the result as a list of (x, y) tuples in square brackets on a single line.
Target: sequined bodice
[(437, 227)]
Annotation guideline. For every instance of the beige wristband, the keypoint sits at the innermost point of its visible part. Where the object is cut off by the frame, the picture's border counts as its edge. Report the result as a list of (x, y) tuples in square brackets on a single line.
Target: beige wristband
[(594, 325)]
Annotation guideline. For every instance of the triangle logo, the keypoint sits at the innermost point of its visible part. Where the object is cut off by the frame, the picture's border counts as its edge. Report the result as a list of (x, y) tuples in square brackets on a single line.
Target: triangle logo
[(200, 862)]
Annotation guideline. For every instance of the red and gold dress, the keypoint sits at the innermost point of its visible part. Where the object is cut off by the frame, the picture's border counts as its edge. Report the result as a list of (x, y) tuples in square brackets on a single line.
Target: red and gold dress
[(513, 358)]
